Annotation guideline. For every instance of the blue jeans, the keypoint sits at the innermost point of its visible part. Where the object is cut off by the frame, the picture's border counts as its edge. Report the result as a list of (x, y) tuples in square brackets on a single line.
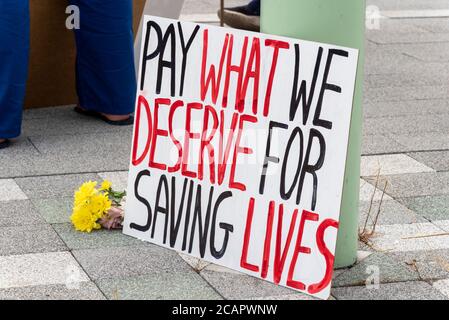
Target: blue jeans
[(254, 7), (104, 66)]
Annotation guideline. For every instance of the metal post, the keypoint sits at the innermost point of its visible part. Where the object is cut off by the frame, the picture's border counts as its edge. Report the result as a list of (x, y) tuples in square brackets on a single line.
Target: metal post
[(222, 5), (340, 22)]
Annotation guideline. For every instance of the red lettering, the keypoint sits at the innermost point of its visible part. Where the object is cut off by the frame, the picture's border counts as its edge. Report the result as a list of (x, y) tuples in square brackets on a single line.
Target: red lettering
[(212, 80), (328, 256), (223, 158), (206, 143), (189, 135), (141, 101), (178, 145), (306, 215), (252, 72), (157, 132), (239, 149), (277, 45), (267, 246), (281, 255), (239, 69), (246, 239)]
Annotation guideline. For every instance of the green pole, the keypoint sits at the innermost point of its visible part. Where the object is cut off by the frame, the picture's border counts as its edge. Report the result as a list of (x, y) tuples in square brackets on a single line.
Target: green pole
[(339, 22)]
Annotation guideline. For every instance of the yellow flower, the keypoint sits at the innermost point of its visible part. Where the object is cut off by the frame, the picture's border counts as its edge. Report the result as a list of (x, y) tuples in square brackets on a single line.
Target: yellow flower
[(83, 194), (90, 205), (83, 220), (100, 204), (106, 185)]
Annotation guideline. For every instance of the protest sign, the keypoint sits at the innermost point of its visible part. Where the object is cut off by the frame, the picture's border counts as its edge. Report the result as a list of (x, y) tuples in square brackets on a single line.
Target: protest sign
[(239, 149)]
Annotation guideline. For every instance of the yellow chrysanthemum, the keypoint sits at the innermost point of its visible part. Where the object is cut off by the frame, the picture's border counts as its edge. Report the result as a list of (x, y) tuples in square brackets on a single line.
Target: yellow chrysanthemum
[(100, 204), (106, 185), (85, 192), (83, 220), (90, 205)]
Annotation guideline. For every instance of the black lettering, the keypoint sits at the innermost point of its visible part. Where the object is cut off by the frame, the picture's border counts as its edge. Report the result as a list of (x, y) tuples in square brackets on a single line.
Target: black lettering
[(197, 216), (302, 94), (146, 56), (286, 195), (312, 169), (268, 157), (327, 86), (218, 254), (146, 227), (185, 50), (169, 64)]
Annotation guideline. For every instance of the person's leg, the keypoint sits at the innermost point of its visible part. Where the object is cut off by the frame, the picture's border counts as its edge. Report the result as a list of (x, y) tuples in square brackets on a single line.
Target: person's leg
[(106, 81), (254, 7), (14, 51), (245, 17)]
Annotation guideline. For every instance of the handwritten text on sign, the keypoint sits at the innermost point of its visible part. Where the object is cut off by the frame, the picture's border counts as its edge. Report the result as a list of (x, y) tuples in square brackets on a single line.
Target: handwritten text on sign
[(239, 149)]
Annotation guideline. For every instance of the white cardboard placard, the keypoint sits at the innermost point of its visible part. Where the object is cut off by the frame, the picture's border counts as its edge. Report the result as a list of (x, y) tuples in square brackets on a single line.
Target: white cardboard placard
[(206, 176)]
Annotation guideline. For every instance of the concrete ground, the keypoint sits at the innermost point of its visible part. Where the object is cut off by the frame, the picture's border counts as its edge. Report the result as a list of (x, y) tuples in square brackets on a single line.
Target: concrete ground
[(406, 137)]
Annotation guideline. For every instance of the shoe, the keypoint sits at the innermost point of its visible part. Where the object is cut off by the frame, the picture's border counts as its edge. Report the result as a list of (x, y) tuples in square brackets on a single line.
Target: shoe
[(97, 115), (5, 144), (240, 18)]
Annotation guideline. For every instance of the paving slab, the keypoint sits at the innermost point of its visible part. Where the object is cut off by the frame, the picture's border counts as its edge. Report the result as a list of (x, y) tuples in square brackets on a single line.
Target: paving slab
[(20, 154), (437, 160), (409, 237), (76, 240), (388, 270), (380, 144), (402, 26), (415, 185), (407, 38), (29, 239), (433, 208), (10, 190), (86, 152), (433, 25), (437, 52), (429, 264), (79, 291), (391, 164), (391, 212), (133, 261), (64, 121), (55, 209), (119, 179), (412, 290), (410, 78), (368, 192), (195, 263), (443, 224), (407, 124), (19, 213), (399, 93), (54, 186), (40, 269), (429, 141), (48, 113), (402, 108), (442, 286), (236, 286), (159, 286), (378, 60)]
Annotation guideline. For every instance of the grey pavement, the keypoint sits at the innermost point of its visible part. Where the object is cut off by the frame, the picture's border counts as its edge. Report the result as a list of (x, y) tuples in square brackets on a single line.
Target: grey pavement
[(405, 138)]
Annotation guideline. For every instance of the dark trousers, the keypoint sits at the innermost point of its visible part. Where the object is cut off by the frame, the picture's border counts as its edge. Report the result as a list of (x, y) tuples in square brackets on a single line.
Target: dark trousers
[(104, 66), (254, 6)]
